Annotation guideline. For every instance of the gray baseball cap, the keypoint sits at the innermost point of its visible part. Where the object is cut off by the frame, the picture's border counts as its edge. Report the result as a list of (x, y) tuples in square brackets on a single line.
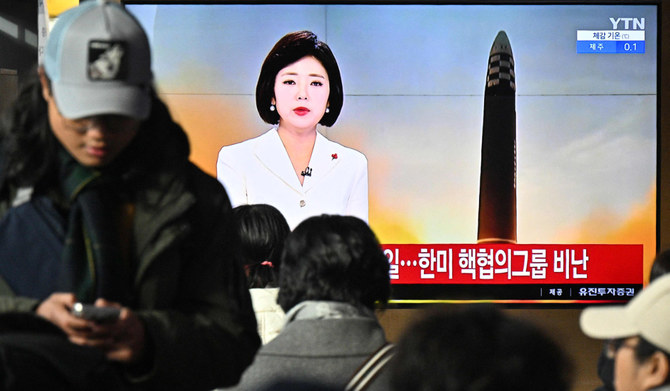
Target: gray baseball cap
[(99, 62)]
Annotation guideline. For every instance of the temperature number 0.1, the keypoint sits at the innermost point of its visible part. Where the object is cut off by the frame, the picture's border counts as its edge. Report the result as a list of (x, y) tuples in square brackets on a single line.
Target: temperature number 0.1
[(628, 47)]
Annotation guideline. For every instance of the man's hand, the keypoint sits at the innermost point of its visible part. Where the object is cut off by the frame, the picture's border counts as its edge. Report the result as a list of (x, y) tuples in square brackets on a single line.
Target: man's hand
[(57, 309), (127, 335), (123, 340)]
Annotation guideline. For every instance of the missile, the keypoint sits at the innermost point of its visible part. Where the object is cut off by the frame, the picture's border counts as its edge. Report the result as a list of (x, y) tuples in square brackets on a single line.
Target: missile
[(497, 181)]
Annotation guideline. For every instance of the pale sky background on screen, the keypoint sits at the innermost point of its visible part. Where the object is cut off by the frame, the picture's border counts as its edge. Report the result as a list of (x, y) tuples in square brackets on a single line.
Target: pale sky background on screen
[(414, 78)]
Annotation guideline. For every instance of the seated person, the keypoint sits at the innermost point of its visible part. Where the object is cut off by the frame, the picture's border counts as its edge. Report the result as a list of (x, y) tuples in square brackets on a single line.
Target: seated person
[(333, 275), (638, 336), (259, 231), (477, 348)]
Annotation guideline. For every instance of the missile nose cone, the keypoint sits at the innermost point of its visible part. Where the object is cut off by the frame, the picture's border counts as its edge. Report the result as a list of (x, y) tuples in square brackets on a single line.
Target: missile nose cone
[(500, 79), (501, 44)]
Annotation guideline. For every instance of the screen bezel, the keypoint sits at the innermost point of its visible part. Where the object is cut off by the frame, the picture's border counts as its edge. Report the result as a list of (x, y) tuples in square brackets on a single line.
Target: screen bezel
[(663, 121)]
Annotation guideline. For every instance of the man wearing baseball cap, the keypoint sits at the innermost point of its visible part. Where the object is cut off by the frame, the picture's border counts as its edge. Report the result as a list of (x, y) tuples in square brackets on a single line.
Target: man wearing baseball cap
[(638, 337), (100, 206)]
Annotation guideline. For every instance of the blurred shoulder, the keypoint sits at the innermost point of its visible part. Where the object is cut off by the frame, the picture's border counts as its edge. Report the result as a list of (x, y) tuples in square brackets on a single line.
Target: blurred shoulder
[(207, 189)]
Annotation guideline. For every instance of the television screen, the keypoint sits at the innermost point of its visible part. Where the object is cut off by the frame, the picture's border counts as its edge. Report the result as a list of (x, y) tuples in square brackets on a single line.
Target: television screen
[(511, 148)]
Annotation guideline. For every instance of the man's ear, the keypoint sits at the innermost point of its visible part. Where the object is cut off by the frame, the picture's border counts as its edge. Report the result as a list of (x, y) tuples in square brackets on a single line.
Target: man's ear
[(657, 369), (44, 81)]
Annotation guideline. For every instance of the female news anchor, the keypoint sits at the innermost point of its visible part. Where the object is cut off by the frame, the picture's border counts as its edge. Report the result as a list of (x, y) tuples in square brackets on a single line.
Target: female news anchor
[(292, 166)]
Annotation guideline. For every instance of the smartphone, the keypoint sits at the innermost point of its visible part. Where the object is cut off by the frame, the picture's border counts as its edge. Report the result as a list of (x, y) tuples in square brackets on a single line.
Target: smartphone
[(96, 314)]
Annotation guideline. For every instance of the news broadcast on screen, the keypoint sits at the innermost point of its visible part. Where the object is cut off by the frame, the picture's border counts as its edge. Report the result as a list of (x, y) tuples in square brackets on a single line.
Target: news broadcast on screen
[(511, 148)]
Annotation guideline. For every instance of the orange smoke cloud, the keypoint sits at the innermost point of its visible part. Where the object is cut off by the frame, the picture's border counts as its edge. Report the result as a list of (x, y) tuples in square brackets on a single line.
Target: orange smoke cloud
[(211, 121), (638, 226)]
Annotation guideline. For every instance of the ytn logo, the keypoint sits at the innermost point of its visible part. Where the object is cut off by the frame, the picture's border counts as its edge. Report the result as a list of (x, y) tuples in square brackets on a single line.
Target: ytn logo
[(628, 23)]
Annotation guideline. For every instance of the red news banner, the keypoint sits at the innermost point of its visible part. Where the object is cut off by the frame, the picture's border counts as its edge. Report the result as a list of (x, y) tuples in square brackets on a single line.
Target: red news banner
[(514, 264)]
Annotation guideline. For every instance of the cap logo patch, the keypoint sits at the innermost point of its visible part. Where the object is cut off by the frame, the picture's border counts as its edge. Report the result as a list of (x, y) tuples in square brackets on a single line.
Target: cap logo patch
[(106, 60)]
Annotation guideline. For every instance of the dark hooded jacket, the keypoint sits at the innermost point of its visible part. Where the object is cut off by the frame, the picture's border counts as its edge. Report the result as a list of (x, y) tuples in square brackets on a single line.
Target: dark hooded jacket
[(186, 287)]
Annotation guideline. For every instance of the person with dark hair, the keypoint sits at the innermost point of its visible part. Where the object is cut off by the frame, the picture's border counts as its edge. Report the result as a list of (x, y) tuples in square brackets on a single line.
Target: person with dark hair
[(111, 257), (477, 347), (638, 337), (292, 166), (333, 275), (259, 233)]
